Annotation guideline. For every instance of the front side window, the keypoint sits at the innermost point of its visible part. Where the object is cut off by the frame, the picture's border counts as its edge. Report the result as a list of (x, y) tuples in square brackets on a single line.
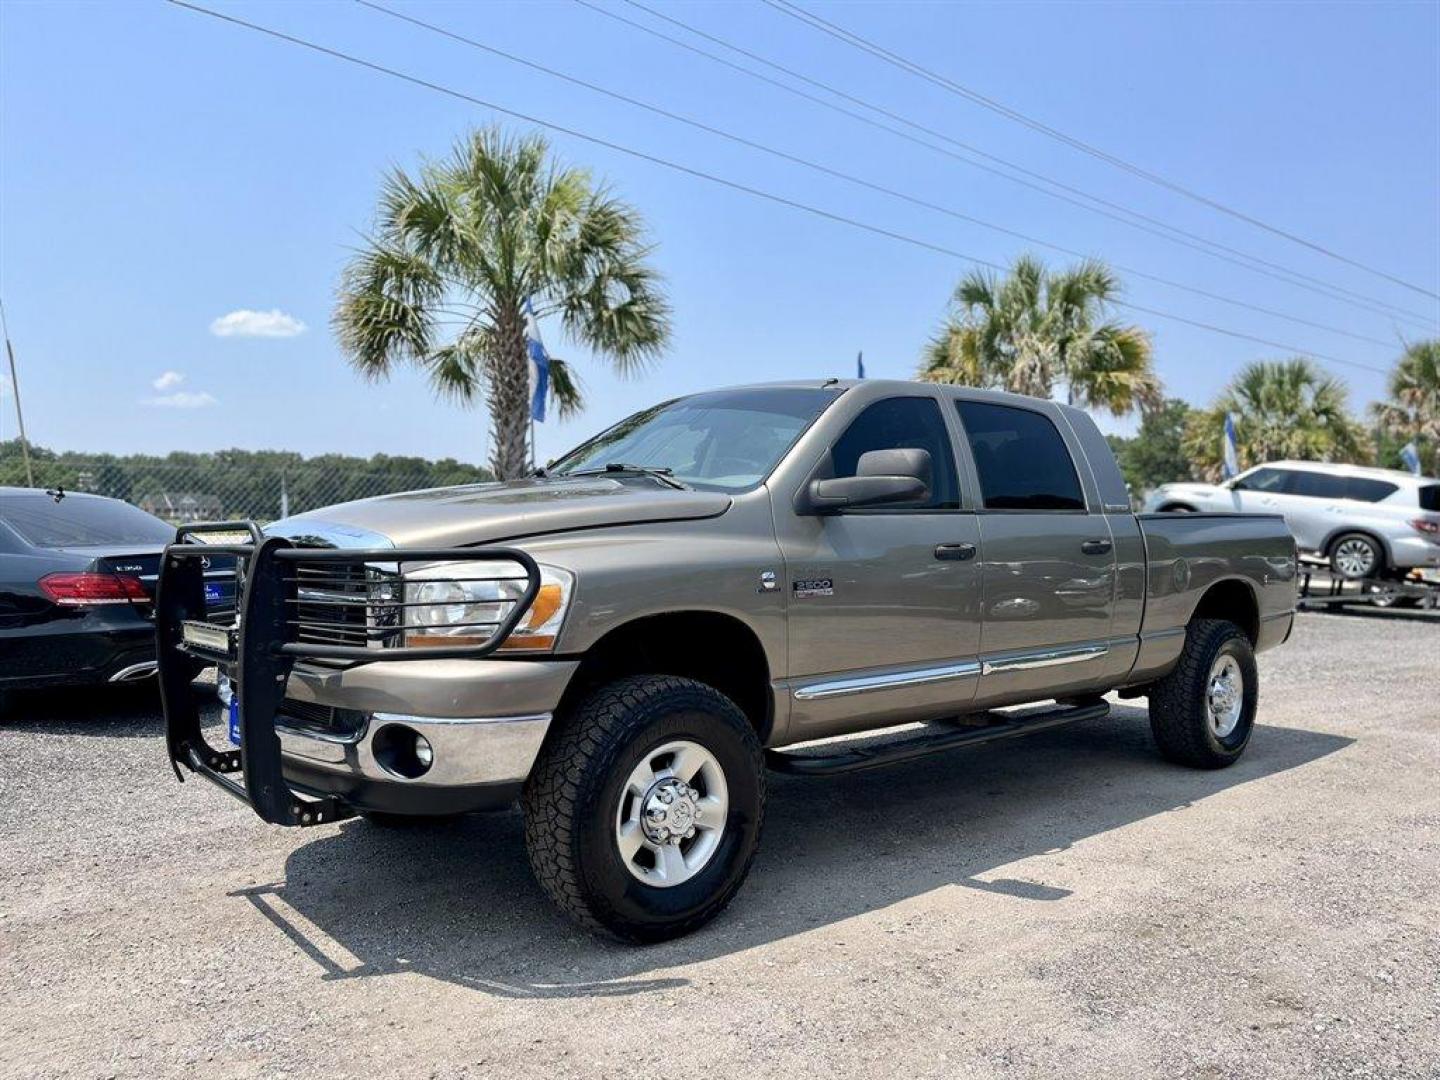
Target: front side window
[(903, 423), (1263, 480), (1022, 460), (724, 441)]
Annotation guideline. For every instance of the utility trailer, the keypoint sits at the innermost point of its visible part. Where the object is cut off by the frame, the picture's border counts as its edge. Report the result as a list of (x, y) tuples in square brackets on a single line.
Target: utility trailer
[(1321, 589)]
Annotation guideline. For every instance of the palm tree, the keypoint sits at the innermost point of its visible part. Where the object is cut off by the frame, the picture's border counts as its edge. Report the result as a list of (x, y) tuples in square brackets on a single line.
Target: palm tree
[(1413, 411), (1034, 329), (462, 246), (1283, 409)]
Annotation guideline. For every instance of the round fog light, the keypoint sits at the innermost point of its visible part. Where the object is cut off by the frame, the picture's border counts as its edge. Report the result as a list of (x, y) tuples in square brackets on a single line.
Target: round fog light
[(402, 751)]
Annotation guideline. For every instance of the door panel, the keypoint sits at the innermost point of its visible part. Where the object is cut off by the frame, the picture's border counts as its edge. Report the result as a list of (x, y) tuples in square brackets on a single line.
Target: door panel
[(1048, 577), (1043, 593), (883, 605), (881, 630)]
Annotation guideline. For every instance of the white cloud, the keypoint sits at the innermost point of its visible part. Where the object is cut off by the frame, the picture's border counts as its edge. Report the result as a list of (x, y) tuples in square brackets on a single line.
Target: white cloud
[(247, 323), (168, 381), (184, 399)]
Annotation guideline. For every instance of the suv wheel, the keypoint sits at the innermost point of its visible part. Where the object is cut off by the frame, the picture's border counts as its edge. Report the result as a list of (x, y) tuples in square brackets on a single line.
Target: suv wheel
[(643, 815), (1354, 556), (1202, 713)]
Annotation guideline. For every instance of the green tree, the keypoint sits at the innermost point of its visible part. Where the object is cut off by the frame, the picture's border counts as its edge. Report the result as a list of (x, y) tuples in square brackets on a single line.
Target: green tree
[(1413, 409), (1284, 409), (1155, 455), (1035, 329), (463, 245)]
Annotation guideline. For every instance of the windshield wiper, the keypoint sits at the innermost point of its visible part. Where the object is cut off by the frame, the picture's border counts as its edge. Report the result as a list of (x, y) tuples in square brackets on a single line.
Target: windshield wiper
[(665, 476)]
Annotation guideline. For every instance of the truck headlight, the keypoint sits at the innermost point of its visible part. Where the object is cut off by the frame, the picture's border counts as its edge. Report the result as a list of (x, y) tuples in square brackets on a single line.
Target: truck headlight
[(465, 603)]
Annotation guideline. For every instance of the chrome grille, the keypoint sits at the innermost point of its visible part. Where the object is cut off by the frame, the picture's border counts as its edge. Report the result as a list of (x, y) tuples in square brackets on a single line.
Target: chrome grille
[(346, 604)]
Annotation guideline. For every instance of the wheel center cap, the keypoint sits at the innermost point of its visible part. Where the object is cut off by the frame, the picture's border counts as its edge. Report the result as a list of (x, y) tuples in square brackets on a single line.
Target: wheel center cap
[(670, 811)]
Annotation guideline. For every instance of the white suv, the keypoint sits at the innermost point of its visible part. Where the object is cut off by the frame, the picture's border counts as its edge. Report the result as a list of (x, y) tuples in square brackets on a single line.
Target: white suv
[(1367, 522)]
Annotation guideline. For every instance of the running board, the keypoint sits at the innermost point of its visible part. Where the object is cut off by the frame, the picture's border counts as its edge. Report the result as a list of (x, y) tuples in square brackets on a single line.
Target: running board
[(907, 749)]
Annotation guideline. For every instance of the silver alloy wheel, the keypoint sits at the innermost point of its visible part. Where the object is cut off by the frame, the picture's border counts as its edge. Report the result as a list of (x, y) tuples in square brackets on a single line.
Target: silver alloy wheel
[(672, 814), (1224, 696), (1355, 557)]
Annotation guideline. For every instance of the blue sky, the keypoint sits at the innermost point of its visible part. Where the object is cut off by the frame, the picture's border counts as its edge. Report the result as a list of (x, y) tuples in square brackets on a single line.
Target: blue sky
[(160, 171)]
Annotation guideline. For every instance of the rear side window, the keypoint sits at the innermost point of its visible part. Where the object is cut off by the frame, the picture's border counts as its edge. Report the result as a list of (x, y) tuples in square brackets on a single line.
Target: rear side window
[(903, 423), (77, 521), (1311, 485), (1430, 498), (1022, 460), (1365, 489)]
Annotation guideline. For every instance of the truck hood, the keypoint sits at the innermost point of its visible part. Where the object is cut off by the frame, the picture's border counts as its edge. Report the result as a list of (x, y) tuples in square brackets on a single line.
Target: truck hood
[(488, 513)]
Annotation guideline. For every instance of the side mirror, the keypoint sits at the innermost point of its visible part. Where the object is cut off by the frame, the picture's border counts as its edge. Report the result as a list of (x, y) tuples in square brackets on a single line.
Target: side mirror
[(882, 478)]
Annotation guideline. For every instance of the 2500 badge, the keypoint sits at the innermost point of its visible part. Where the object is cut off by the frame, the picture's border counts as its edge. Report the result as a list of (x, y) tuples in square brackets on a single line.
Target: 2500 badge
[(814, 587)]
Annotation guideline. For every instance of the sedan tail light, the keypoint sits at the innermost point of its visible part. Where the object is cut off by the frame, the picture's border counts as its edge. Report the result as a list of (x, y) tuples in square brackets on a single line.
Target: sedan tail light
[(85, 589), (1427, 527)]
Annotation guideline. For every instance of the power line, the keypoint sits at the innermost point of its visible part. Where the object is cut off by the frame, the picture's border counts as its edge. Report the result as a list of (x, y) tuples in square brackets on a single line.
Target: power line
[(896, 60), (687, 170), (1193, 241), (848, 177)]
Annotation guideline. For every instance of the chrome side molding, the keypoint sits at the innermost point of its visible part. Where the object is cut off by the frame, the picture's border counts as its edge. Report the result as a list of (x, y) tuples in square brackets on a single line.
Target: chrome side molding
[(1045, 658), (887, 681)]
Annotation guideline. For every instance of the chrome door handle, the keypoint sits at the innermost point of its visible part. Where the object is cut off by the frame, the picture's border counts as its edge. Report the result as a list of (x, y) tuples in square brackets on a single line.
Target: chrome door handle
[(955, 552), (1095, 547)]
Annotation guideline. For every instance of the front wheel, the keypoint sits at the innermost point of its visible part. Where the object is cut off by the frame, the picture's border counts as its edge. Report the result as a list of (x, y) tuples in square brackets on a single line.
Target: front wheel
[(1202, 713), (643, 815)]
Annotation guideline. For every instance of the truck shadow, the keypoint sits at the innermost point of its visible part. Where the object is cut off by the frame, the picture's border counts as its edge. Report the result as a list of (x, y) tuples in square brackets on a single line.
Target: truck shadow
[(456, 902)]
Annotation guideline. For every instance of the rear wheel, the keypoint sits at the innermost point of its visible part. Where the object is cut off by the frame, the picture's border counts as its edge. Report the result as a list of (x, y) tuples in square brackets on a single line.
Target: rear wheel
[(1202, 713), (1354, 556), (642, 817)]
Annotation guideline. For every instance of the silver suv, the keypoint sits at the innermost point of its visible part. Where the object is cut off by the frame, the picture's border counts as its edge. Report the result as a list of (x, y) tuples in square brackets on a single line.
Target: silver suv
[(1367, 522)]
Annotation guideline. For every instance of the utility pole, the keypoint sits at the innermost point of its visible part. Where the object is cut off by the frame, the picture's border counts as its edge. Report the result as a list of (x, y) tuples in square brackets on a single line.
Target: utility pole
[(15, 385)]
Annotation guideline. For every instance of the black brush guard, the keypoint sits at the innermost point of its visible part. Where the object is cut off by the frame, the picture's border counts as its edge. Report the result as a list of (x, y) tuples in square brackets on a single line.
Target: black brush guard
[(260, 649)]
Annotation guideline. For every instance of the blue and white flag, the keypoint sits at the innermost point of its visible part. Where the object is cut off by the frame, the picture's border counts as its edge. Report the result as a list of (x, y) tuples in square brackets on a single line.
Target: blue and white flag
[(1411, 457), (1228, 451), (539, 365), (860, 365)]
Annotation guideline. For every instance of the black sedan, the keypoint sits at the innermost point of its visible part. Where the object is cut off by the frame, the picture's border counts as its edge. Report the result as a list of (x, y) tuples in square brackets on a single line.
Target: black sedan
[(77, 583)]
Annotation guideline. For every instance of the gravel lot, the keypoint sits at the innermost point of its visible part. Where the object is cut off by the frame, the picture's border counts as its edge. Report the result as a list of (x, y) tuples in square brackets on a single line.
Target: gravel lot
[(1063, 905)]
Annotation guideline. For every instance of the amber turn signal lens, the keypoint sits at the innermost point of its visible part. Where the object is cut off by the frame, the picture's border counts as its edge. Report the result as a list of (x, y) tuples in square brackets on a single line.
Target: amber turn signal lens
[(547, 603), (444, 640)]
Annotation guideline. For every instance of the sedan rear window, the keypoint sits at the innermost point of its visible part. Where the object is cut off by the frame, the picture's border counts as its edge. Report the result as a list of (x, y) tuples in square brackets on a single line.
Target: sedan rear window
[(1430, 498), (80, 521)]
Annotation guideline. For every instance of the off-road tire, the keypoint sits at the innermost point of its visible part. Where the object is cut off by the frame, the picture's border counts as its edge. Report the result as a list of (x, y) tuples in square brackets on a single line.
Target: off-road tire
[(571, 799), (1178, 717)]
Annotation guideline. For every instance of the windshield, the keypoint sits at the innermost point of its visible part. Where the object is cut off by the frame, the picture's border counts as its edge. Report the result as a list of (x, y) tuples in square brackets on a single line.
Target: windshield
[(723, 441), (76, 521)]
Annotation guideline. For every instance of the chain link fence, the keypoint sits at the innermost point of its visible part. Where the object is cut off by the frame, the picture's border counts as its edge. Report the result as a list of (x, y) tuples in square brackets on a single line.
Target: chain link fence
[(183, 487)]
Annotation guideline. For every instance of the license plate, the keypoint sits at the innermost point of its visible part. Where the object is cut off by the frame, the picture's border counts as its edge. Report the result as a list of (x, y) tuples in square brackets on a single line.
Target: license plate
[(235, 719), (213, 593)]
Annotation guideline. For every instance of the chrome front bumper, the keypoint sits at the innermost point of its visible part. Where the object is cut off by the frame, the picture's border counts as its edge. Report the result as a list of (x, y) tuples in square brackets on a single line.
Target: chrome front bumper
[(467, 752)]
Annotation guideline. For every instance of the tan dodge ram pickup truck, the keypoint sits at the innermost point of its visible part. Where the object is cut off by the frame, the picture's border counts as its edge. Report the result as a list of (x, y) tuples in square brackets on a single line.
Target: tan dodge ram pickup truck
[(625, 642)]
